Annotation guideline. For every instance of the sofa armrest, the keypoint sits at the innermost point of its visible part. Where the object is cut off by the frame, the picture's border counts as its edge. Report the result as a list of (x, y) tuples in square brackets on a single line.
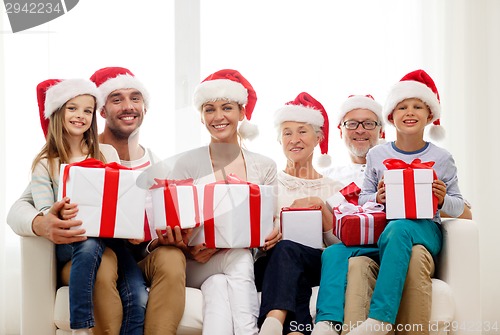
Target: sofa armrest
[(38, 286), (458, 265)]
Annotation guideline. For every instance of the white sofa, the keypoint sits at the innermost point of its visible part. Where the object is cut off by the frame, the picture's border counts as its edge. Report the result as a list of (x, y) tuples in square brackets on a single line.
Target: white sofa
[(455, 304)]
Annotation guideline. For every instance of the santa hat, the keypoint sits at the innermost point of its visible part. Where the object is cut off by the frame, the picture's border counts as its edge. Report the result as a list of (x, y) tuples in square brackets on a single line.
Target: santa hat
[(52, 94), (232, 86), (361, 102), (417, 84), (308, 110), (110, 79)]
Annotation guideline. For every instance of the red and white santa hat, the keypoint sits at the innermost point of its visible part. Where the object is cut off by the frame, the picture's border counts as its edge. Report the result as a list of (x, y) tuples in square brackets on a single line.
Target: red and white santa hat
[(110, 79), (52, 94), (417, 84), (308, 110), (361, 102), (229, 85)]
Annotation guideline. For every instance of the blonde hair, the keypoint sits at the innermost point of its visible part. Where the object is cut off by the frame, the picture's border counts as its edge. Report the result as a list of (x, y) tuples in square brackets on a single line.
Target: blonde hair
[(57, 145)]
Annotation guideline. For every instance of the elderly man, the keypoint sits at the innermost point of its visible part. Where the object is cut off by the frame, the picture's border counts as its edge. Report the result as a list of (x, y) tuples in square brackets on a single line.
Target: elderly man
[(361, 128)]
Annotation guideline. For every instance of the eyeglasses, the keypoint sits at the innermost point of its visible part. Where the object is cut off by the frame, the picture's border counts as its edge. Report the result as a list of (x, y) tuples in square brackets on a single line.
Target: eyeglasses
[(367, 125)]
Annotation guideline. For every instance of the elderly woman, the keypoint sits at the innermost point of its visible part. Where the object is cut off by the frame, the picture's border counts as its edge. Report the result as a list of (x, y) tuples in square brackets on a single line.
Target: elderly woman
[(289, 270)]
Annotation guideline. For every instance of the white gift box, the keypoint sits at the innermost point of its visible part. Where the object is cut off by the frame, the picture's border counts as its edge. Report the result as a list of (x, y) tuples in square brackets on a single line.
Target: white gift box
[(106, 209), (302, 225), (175, 205), (225, 213), (400, 191)]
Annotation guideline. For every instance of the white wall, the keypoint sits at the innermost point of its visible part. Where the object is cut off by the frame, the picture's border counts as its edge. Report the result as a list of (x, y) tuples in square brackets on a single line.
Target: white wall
[(464, 44)]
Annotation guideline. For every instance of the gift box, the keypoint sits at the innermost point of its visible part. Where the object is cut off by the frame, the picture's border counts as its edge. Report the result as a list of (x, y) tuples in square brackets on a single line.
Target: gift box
[(348, 194), (302, 225), (234, 214), (175, 204), (408, 189), (110, 205), (359, 225)]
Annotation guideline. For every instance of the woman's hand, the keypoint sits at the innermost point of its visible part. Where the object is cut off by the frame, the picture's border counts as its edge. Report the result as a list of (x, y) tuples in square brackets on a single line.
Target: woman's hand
[(309, 202), (201, 253)]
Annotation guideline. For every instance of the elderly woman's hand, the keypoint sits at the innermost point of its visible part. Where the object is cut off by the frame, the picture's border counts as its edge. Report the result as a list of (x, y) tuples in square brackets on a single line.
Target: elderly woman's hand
[(272, 239), (309, 202)]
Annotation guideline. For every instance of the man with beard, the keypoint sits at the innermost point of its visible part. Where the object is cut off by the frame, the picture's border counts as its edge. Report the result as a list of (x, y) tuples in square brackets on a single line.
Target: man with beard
[(161, 260)]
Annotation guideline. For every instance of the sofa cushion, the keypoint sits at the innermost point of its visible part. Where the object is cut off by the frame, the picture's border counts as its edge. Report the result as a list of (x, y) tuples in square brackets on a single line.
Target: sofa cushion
[(191, 322)]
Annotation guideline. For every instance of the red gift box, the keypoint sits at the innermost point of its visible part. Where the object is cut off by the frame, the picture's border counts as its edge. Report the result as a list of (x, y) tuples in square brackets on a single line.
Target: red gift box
[(235, 214), (175, 204), (408, 189), (359, 225), (109, 202)]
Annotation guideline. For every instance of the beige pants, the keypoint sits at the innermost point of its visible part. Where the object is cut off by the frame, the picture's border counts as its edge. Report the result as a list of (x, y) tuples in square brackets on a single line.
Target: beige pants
[(165, 273), (415, 308)]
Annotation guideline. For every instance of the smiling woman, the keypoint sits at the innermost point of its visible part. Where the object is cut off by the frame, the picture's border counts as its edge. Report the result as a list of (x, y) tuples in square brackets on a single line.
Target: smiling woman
[(332, 49)]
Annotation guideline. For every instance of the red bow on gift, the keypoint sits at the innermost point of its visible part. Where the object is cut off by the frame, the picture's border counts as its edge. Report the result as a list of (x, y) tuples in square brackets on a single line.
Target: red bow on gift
[(394, 163), (160, 183), (409, 182), (110, 192)]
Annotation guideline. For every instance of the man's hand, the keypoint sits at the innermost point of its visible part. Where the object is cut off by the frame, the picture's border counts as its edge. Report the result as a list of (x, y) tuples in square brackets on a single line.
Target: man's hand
[(56, 230), (177, 237)]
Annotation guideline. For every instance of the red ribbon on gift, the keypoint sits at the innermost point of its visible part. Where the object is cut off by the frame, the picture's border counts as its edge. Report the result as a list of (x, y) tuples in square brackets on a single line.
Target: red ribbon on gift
[(109, 194), (171, 199), (351, 193), (208, 210), (409, 182)]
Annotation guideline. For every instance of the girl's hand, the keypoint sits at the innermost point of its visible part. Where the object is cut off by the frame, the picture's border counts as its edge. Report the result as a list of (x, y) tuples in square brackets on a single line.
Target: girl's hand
[(380, 192), (439, 190), (69, 210), (135, 241)]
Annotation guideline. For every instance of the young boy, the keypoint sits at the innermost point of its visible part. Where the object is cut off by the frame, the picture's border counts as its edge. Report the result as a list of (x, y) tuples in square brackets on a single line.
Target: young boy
[(412, 104)]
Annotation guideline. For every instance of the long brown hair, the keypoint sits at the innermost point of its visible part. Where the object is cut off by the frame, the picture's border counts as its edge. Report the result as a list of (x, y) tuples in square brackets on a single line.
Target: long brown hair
[(57, 144)]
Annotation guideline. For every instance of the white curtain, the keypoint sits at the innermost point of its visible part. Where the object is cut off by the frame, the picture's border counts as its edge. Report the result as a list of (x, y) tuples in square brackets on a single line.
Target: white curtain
[(464, 44)]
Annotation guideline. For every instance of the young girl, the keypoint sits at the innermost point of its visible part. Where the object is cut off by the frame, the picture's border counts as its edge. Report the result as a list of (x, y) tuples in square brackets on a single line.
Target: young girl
[(225, 276), (67, 113), (412, 104)]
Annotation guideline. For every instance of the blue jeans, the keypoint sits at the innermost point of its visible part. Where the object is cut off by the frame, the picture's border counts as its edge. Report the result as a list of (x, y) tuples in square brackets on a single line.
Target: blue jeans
[(291, 271), (394, 249), (86, 258)]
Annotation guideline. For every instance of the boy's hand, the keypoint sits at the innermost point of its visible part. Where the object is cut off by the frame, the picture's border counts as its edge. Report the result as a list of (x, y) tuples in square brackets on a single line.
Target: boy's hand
[(439, 190), (380, 192)]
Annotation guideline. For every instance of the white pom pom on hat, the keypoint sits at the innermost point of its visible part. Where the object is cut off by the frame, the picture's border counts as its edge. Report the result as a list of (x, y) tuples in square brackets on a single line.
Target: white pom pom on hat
[(417, 84), (229, 85), (308, 110)]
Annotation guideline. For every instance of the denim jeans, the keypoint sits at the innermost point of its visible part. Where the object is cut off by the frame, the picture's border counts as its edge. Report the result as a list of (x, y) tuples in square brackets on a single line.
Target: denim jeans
[(86, 258), (394, 249), (287, 279)]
